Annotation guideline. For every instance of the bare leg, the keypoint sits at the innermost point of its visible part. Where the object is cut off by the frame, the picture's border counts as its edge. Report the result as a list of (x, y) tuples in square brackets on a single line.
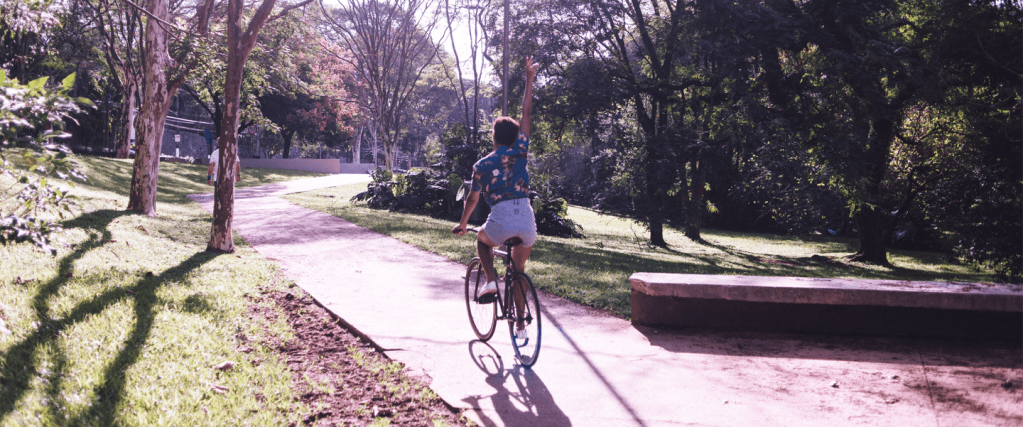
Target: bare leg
[(520, 254), (485, 250)]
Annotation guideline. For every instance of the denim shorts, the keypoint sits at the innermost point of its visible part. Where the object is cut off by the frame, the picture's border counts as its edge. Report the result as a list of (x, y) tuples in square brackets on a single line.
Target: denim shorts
[(512, 218)]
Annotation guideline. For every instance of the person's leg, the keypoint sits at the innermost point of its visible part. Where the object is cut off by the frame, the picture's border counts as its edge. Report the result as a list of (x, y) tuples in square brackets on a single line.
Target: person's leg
[(484, 249), (519, 255)]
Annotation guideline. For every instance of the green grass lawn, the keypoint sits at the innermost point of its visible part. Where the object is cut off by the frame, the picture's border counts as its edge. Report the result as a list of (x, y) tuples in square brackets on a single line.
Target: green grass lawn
[(128, 322), (595, 270)]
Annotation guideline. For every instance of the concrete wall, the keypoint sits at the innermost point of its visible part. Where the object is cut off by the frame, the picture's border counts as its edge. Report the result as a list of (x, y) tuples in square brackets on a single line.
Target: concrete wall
[(309, 165), (357, 167)]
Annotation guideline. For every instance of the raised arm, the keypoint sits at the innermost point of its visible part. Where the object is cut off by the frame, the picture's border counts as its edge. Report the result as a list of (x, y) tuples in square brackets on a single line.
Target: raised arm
[(527, 96)]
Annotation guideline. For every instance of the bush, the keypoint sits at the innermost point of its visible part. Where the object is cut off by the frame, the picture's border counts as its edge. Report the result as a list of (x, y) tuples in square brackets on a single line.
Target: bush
[(419, 191), (550, 218)]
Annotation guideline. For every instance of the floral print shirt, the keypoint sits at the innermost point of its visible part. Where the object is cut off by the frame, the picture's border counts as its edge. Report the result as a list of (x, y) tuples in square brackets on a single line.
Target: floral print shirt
[(502, 175)]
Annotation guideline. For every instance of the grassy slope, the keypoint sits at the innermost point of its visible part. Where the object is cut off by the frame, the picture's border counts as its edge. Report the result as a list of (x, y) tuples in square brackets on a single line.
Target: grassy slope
[(595, 270), (127, 322)]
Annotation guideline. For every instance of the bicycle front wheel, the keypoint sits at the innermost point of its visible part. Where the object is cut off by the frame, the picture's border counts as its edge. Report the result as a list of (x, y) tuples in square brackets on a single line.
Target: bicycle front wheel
[(482, 315), (524, 321)]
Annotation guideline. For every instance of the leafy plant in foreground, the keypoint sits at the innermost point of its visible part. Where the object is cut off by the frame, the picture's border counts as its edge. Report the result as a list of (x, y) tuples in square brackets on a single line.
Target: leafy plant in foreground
[(31, 117)]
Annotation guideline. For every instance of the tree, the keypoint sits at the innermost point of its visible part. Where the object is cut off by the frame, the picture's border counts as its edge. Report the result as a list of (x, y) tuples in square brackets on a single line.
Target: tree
[(239, 45), (468, 82), (390, 47), (646, 51), (314, 101), (120, 27), (968, 128), (163, 75), (21, 23)]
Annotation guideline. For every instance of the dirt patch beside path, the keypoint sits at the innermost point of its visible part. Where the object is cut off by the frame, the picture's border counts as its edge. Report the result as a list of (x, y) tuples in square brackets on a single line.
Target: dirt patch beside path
[(342, 378)]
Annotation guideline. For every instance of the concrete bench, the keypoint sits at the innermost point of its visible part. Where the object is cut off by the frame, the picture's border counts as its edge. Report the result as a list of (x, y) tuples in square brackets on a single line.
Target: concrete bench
[(874, 307)]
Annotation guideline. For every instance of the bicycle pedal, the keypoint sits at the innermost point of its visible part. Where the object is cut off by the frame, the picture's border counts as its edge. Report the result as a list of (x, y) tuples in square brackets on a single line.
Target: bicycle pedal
[(487, 299)]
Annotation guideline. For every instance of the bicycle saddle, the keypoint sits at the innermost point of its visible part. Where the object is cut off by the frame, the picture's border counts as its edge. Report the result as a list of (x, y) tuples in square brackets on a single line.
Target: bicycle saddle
[(512, 241)]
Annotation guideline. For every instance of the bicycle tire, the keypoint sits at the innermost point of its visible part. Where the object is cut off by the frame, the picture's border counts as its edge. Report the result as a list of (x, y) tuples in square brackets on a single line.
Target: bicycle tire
[(526, 351), (482, 316)]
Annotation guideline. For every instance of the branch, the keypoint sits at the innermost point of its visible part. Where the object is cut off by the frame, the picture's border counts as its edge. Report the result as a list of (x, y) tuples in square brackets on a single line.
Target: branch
[(287, 9), (982, 49), (143, 10)]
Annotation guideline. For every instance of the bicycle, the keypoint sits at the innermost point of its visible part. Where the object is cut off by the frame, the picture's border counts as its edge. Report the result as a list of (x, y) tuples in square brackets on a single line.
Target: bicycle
[(522, 308)]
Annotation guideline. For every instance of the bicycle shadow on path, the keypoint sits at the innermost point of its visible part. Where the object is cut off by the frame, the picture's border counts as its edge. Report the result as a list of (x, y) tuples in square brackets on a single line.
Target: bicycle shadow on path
[(530, 403)]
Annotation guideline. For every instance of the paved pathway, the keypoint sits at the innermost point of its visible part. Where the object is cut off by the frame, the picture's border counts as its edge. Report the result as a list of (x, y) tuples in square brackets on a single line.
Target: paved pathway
[(598, 370)]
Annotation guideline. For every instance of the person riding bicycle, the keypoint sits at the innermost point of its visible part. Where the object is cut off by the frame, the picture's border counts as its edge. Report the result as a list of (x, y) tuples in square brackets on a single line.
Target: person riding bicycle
[(503, 178)]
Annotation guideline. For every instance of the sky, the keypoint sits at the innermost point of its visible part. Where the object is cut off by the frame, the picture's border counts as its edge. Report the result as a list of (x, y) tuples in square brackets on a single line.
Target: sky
[(460, 34)]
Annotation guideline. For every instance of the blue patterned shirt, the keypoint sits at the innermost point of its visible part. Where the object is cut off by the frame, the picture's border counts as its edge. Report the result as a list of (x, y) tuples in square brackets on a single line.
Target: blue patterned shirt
[(502, 175)]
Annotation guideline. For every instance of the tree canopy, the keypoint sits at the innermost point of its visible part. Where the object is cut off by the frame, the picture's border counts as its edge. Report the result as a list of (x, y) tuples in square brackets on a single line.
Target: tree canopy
[(893, 121)]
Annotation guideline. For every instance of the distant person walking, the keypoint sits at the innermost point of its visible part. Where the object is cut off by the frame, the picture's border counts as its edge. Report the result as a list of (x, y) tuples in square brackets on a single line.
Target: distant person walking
[(211, 172), (503, 178)]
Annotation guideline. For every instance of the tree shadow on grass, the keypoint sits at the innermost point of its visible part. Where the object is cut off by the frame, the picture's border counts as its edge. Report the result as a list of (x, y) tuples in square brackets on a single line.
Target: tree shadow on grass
[(813, 266), (18, 371)]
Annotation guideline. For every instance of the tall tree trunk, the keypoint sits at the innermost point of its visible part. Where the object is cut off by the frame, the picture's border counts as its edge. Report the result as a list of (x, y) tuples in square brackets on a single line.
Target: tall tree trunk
[(694, 206), (872, 224), (157, 98), (357, 151), (388, 154), (127, 121), (874, 220), (655, 201), (657, 232), (288, 135), (376, 143)]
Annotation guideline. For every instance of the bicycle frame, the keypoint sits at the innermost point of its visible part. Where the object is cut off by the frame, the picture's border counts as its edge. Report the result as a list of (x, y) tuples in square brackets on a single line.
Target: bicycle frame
[(509, 271)]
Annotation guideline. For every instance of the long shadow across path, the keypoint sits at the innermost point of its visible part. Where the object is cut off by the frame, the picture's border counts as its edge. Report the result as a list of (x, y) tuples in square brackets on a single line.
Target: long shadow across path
[(596, 369)]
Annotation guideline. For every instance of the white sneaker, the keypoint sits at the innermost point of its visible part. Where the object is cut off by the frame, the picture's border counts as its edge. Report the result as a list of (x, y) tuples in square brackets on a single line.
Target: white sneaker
[(522, 335), (489, 289)]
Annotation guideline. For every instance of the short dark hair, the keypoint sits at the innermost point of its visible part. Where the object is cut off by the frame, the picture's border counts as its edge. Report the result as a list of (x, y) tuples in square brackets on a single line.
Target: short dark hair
[(506, 131)]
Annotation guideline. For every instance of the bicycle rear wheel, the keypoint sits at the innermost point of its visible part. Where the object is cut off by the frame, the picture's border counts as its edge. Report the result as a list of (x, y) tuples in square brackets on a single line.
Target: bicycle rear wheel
[(482, 315), (525, 312)]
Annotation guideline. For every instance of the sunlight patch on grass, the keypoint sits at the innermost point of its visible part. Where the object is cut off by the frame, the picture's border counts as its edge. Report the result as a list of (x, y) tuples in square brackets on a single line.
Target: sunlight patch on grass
[(595, 270), (125, 325)]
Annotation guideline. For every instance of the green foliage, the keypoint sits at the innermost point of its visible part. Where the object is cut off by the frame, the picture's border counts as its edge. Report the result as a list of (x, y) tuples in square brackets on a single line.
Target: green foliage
[(418, 191), (31, 117), (126, 324), (551, 219), (382, 175)]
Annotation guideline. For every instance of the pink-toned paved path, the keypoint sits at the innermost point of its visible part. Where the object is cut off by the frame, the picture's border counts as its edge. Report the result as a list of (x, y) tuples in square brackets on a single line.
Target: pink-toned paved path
[(598, 370)]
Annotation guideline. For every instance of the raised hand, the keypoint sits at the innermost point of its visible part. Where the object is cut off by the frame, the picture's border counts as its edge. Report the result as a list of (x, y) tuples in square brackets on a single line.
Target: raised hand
[(531, 69)]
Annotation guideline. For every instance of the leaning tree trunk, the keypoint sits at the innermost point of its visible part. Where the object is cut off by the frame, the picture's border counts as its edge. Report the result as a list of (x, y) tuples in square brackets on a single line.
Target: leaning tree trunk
[(239, 45), (153, 114)]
